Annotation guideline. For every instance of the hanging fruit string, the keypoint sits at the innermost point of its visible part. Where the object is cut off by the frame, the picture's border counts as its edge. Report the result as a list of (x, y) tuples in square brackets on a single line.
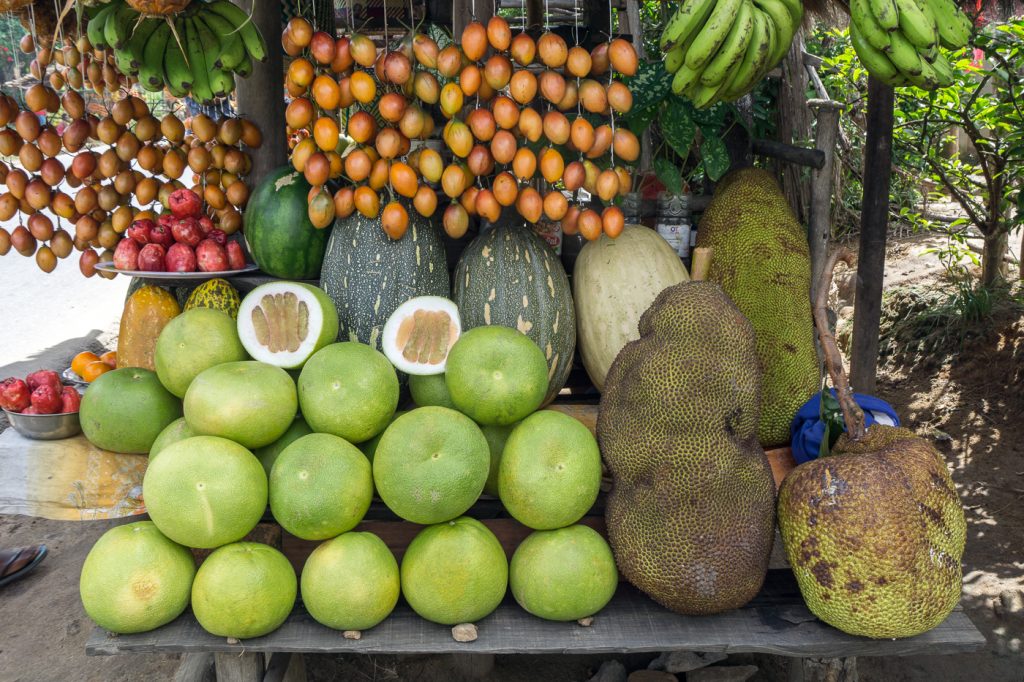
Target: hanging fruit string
[(611, 74)]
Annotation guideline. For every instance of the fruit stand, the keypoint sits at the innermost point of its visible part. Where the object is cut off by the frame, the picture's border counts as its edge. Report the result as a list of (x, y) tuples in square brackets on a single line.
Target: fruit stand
[(411, 381)]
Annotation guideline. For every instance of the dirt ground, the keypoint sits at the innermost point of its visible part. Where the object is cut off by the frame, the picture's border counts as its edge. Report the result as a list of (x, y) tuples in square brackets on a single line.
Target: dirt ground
[(970, 402)]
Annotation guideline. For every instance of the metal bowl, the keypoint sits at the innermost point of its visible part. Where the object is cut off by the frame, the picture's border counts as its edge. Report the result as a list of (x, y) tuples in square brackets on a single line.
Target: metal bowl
[(45, 426)]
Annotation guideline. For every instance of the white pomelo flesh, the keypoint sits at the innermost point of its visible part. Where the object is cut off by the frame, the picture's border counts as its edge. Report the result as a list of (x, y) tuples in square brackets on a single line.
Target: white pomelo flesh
[(284, 323), (418, 336)]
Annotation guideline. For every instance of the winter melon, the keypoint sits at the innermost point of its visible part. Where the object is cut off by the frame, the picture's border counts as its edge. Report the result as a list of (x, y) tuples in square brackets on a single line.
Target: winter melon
[(613, 283), (509, 276), (368, 275)]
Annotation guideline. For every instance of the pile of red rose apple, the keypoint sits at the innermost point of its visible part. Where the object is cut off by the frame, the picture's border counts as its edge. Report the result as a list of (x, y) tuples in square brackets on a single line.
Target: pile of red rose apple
[(39, 393), (182, 240)]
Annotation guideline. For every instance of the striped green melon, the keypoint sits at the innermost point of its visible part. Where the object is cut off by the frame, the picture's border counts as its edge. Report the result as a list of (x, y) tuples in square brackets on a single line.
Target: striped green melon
[(368, 275), (511, 277)]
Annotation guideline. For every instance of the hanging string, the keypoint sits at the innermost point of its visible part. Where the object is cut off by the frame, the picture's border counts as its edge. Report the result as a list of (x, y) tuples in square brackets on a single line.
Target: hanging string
[(522, 9), (547, 17), (385, 25), (472, 10), (611, 74), (575, 26)]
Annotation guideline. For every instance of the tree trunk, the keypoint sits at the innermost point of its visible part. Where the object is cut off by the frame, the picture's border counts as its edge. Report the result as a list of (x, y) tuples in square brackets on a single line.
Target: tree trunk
[(794, 125), (993, 267)]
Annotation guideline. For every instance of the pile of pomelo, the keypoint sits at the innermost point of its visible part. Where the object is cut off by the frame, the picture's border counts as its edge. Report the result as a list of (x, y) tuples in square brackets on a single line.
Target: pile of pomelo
[(230, 431)]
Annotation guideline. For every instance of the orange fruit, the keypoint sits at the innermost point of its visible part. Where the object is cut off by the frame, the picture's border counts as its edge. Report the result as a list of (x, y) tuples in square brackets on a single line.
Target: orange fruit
[(110, 357), (94, 369), (81, 360)]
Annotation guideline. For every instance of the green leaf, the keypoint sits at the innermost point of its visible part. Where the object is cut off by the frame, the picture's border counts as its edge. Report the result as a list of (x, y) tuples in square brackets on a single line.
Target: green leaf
[(639, 120), (714, 155), (678, 127), (649, 85), (669, 175), (831, 416)]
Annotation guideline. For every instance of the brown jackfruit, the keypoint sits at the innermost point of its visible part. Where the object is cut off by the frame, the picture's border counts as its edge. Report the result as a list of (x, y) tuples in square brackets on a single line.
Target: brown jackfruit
[(875, 534), (691, 512), (762, 261)]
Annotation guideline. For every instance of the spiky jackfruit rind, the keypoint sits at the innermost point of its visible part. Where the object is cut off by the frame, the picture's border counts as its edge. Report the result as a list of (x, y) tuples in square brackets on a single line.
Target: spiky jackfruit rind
[(691, 512), (875, 534), (761, 258)]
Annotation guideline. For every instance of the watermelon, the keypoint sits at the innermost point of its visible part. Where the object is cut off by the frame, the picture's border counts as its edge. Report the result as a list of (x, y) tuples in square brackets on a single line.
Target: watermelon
[(509, 276), (368, 275), (280, 237)]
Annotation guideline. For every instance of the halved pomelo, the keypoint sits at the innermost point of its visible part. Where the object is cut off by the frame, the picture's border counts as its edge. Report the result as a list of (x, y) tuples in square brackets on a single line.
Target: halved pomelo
[(418, 336), (284, 323)]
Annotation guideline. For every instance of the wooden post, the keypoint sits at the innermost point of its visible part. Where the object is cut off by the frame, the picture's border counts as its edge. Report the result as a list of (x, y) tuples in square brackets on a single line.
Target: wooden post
[(261, 95), (819, 228), (239, 667), (874, 223)]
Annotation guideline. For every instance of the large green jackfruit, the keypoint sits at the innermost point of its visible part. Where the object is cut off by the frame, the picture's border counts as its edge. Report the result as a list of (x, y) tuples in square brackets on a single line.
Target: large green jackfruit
[(875, 534), (761, 259), (691, 513)]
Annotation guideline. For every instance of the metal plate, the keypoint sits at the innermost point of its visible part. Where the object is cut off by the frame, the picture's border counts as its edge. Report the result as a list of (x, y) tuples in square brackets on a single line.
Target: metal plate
[(182, 276), (69, 376)]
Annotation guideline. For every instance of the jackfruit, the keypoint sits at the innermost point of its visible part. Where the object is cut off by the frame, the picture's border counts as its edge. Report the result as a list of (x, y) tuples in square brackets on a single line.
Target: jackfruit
[(762, 261), (691, 512), (875, 534)]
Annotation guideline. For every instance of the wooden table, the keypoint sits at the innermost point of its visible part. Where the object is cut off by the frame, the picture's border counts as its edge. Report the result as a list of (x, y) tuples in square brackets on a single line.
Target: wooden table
[(775, 622)]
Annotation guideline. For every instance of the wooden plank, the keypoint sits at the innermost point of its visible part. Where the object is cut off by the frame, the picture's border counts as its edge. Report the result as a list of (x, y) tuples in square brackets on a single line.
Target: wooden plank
[(776, 622), (239, 665), (874, 224)]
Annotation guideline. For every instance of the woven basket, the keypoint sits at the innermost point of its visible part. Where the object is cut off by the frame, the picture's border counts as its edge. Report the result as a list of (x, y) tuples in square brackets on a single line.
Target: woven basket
[(160, 7)]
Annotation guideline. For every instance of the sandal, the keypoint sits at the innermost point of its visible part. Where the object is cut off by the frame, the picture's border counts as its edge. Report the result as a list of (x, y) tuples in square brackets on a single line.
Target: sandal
[(16, 563)]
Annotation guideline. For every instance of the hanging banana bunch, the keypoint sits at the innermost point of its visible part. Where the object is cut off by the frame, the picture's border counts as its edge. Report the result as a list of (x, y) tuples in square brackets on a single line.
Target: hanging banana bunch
[(189, 47), (720, 49)]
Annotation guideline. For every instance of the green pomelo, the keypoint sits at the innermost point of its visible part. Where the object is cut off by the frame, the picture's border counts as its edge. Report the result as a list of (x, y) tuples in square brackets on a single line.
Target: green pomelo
[(175, 431), (268, 454), (126, 409), (563, 574), (431, 465), (369, 447), (351, 582), (349, 390), (320, 487), (454, 572), (496, 375), (284, 323), (244, 590), (192, 342), (430, 389), (205, 491), (135, 579), (550, 471), (496, 437), (251, 403)]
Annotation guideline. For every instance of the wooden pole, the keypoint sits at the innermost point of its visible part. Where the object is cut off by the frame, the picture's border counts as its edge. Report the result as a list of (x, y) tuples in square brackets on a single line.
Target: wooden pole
[(820, 225), (261, 95), (874, 223)]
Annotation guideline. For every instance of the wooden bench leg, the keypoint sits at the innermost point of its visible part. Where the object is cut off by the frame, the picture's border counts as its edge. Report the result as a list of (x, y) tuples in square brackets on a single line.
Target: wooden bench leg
[(196, 667), (240, 667), (285, 667), (823, 669)]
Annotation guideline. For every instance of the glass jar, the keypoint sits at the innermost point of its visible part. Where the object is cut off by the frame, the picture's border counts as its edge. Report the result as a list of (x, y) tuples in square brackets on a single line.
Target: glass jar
[(674, 221)]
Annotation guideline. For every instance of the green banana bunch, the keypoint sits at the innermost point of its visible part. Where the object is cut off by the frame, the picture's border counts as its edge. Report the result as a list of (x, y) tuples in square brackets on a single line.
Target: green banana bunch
[(196, 52), (718, 50), (900, 42)]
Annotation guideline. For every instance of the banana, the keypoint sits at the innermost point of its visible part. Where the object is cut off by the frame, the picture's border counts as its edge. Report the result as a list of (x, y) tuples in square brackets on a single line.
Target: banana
[(876, 61), (684, 79), (904, 55), (915, 24), (886, 13), (772, 34), (254, 43), (713, 33), (796, 10), (232, 49), (151, 71), (747, 73), (867, 24), (685, 23), (221, 80), (954, 26), (177, 74), (201, 90), (732, 51), (95, 28), (674, 58), (944, 72), (703, 96), (928, 79), (785, 29), (244, 70), (136, 46), (119, 26)]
